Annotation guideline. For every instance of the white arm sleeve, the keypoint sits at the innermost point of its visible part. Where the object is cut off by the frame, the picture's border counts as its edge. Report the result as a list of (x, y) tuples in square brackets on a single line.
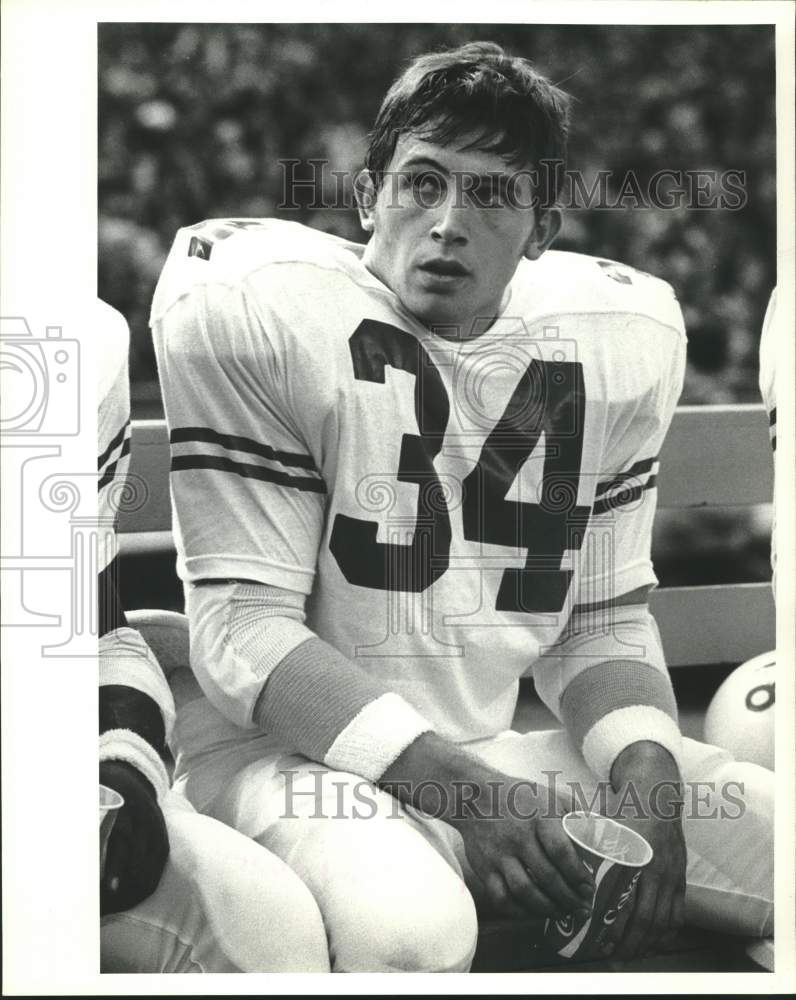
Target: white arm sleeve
[(261, 666), (607, 681)]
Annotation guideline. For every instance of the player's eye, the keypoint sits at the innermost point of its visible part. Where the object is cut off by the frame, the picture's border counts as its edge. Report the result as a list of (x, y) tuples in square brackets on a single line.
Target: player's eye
[(429, 186), (487, 192)]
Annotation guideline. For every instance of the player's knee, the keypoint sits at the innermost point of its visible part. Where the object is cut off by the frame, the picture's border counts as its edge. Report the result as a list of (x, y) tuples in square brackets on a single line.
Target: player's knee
[(243, 908), (297, 941), (436, 931), (277, 927), (389, 901), (440, 936)]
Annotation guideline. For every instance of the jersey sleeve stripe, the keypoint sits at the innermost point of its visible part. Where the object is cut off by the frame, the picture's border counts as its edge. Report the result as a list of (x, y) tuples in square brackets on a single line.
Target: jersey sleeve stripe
[(182, 463), (115, 442), (233, 442), (109, 606), (621, 499), (110, 471), (638, 469), (772, 428)]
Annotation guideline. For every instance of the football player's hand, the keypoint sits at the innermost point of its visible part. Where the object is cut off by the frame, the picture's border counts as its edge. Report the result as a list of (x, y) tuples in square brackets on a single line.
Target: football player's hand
[(522, 858), (139, 844), (655, 912)]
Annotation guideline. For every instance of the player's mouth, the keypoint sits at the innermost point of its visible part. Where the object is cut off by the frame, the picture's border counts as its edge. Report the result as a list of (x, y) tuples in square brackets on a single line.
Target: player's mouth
[(443, 272)]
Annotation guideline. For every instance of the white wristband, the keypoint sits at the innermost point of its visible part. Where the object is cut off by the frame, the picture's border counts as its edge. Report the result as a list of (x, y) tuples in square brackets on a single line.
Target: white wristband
[(617, 730), (126, 745), (376, 737)]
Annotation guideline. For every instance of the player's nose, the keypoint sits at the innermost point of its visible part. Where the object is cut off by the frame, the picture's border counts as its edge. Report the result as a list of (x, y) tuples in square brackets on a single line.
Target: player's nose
[(450, 223)]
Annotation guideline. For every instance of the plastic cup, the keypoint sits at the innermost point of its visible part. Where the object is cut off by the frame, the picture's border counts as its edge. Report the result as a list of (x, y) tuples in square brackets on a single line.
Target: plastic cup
[(110, 802), (615, 856)]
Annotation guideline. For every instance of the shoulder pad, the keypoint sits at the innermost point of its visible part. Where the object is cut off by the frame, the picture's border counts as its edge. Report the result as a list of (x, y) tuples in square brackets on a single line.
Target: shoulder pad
[(112, 337), (226, 251), (572, 282)]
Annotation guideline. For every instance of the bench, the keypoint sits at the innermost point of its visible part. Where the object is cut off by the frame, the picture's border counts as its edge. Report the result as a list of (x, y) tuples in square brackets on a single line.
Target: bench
[(714, 457)]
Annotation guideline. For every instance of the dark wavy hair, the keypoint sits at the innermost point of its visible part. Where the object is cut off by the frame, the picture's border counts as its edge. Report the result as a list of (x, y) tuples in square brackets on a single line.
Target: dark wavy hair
[(477, 90)]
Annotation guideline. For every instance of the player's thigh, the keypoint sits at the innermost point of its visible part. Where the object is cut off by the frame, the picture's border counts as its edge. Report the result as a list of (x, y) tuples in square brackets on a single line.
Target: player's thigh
[(390, 891), (710, 774), (728, 820), (547, 756)]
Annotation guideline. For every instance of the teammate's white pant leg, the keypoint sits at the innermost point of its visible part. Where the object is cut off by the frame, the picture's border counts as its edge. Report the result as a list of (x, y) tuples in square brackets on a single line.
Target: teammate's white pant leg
[(730, 874), (391, 902), (223, 905)]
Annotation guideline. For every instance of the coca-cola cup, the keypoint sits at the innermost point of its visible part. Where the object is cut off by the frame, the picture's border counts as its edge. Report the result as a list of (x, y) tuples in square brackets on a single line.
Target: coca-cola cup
[(615, 856), (109, 804)]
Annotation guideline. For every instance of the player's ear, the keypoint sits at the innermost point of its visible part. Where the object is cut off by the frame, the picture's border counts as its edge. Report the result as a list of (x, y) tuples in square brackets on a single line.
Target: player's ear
[(365, 194), (548, 225)]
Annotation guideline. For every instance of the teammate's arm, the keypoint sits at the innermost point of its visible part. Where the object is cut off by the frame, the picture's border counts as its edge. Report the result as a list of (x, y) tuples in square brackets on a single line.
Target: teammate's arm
[(136, 710), (132, 747)]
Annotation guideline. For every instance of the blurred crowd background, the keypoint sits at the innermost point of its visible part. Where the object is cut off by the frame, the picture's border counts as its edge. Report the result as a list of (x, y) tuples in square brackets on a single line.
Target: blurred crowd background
[(194, 120)]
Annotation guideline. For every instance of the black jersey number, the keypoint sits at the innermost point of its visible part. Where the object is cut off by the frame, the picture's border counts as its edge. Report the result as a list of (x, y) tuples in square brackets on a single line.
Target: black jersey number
[(385, 565), (548, 399)]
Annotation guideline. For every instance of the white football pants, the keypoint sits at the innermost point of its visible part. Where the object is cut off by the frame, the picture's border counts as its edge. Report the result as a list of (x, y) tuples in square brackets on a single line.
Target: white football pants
[(223, 905), (390, 882)]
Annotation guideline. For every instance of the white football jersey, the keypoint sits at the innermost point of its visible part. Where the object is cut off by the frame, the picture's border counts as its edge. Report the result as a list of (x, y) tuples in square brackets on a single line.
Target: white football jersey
[(768, 390), (768, 366), (113, 420), (443, 503)]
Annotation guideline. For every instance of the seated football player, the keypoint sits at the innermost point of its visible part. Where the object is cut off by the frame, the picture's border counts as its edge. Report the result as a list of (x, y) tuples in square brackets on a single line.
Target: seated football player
[(404, 475), (179, 892)]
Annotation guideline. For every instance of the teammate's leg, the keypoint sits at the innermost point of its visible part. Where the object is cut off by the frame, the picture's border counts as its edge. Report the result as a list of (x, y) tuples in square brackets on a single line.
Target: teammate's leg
[(223, 905)]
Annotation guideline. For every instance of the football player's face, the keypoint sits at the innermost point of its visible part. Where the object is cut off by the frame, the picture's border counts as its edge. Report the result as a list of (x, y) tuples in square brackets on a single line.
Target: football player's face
[(450, 226)]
